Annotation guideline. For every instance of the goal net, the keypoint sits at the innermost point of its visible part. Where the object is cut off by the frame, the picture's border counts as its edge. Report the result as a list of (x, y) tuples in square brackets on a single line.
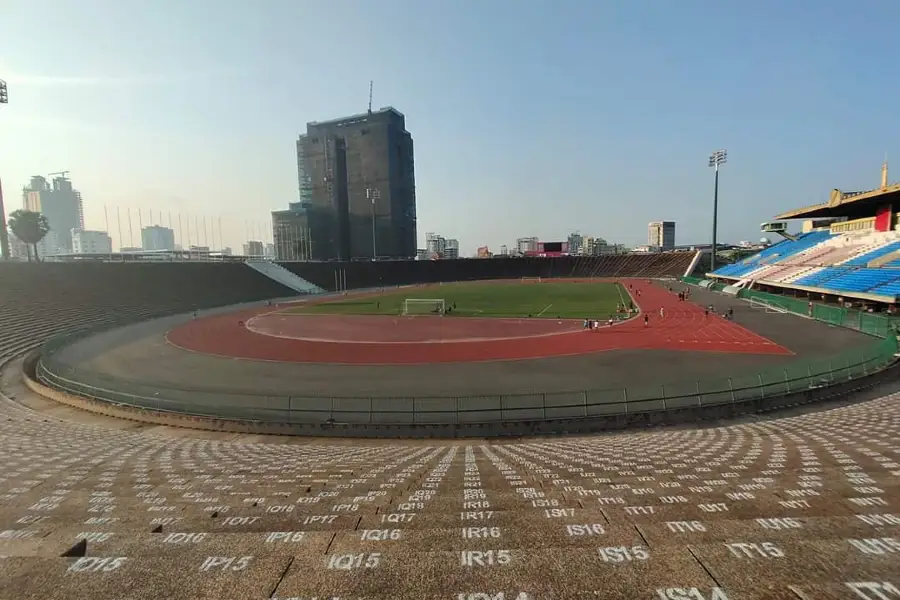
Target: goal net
[(768, 306), (531, 280), (423, 306)]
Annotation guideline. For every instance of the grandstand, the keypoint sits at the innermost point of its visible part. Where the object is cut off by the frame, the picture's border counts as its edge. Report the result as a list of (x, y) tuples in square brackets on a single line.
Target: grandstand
[(407, 272), (802, 507), (850, 250), (38, 301)]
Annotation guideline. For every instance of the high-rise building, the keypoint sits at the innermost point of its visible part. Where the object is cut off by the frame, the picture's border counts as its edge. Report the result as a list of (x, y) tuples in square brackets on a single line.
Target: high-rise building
[(661, 235), (357, 180), (291, 233), (305, 181), (437, 246), (451, 248), (434, 245), (254, 248), (91, 242), (61, 204), (157, 237), (504, 251), (576, 243)]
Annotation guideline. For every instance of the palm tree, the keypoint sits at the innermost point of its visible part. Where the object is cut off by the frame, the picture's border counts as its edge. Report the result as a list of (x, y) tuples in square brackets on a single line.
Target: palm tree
[(30, 227)]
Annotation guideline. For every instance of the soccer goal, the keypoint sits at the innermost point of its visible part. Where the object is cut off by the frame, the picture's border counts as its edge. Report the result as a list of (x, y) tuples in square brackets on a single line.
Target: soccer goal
[(768, 306), (531, 280), (423, 306)]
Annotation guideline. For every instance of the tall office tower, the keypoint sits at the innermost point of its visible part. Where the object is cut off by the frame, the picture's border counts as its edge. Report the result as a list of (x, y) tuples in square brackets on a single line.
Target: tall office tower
[(157, 237), (62, 206), (357, 186), (661, 235)]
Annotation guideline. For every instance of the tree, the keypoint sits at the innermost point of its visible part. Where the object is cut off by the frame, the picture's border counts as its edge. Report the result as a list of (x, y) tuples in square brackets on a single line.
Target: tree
[(30, 227)]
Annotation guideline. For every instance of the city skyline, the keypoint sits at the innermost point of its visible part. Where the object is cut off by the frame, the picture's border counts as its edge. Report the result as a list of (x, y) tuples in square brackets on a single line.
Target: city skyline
[(208, 127), (211, 231)]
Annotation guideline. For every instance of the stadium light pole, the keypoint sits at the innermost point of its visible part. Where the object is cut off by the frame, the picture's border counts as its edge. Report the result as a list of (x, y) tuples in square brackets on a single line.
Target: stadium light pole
[(4, 234), (716, 159), (373, 194)]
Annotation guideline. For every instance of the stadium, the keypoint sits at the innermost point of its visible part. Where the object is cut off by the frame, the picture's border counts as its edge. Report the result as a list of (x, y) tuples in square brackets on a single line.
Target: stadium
[(732, 434)]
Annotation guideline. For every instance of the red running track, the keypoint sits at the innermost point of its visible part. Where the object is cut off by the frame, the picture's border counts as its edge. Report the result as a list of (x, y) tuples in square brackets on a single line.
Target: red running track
[(685, 327)]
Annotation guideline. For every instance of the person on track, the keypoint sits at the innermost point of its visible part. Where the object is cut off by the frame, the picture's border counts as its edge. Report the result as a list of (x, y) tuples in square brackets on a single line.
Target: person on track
[(646, 320), (662, 312)]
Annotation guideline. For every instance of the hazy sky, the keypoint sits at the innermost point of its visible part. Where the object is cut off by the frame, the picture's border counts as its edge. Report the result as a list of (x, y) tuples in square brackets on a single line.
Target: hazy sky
[(529, 118)]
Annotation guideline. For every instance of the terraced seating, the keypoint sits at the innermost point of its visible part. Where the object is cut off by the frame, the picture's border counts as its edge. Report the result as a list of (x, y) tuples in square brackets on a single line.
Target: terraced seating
[(863, 260), (405, 272), (860, 263), (857, 280), (776, 253), (800, 507), (38, 301)]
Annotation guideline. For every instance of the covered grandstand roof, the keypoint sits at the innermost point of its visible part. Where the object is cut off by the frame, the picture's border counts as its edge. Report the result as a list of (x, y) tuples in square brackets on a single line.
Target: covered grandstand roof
[(846, 204)]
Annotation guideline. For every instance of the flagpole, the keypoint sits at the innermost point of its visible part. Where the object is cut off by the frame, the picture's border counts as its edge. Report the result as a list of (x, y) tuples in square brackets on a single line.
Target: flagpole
[(188, 218), (119, 219), (106, 218)]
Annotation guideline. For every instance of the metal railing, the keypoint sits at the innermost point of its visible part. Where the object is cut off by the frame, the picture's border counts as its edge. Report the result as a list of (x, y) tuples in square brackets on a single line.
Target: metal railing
[(296, 409), (876, 324)]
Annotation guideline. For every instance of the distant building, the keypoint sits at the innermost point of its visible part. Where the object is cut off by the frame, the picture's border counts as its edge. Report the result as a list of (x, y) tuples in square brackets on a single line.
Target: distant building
[(576, 243), (18, 250), (291, 234), (437, 246), (61, 204), (661, 235), (254, 248), (504, 251), (434, 245), (451, 248), (270, 251), (526, 244), (157, 237), (483, 252), (357, 179), (198, 252), (91, 242)]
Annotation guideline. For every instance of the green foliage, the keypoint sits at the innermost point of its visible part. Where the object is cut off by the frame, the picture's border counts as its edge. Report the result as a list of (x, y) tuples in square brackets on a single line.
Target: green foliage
[(30, 227)]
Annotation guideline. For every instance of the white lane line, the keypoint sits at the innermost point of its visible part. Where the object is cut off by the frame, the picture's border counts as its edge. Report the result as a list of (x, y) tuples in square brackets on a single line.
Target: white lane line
[(545, 309)]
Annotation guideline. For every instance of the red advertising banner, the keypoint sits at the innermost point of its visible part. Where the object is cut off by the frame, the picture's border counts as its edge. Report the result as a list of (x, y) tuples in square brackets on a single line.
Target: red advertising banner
[(883, 218)]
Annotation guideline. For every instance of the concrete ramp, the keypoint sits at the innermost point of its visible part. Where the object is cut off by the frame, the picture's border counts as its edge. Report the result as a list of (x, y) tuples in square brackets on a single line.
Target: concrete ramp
[(284, 277)]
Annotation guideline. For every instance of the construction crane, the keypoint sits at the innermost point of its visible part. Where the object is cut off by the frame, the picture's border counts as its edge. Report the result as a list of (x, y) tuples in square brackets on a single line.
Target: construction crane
[(65, 174)]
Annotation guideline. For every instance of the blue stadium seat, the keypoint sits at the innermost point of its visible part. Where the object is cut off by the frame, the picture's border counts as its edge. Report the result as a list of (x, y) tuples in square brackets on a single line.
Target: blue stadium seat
[(776, 253), (864, 259), (889, 289), (861, 280), (820, 278)]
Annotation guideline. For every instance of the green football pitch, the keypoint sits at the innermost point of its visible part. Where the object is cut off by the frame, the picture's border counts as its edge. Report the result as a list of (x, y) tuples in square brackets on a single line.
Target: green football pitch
[(488, 299)]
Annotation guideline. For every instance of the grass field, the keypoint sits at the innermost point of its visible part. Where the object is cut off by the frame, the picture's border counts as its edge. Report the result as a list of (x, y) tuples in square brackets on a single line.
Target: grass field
[(489, 299)]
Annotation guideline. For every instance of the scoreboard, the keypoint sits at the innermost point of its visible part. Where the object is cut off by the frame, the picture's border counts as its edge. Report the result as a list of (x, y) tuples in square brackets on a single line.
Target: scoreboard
[(548, 249)]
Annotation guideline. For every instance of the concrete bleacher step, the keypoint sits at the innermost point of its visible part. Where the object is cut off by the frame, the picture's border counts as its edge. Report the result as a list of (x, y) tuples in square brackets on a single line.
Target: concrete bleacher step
[(798, 508)]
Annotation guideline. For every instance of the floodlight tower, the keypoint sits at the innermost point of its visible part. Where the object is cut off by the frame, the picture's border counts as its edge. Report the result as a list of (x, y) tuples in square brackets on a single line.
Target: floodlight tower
[(374, 194), (4, 234), (717, 158)]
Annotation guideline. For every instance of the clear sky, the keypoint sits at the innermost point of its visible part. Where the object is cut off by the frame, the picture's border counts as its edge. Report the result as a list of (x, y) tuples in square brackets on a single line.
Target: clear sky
[(529, 118)]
